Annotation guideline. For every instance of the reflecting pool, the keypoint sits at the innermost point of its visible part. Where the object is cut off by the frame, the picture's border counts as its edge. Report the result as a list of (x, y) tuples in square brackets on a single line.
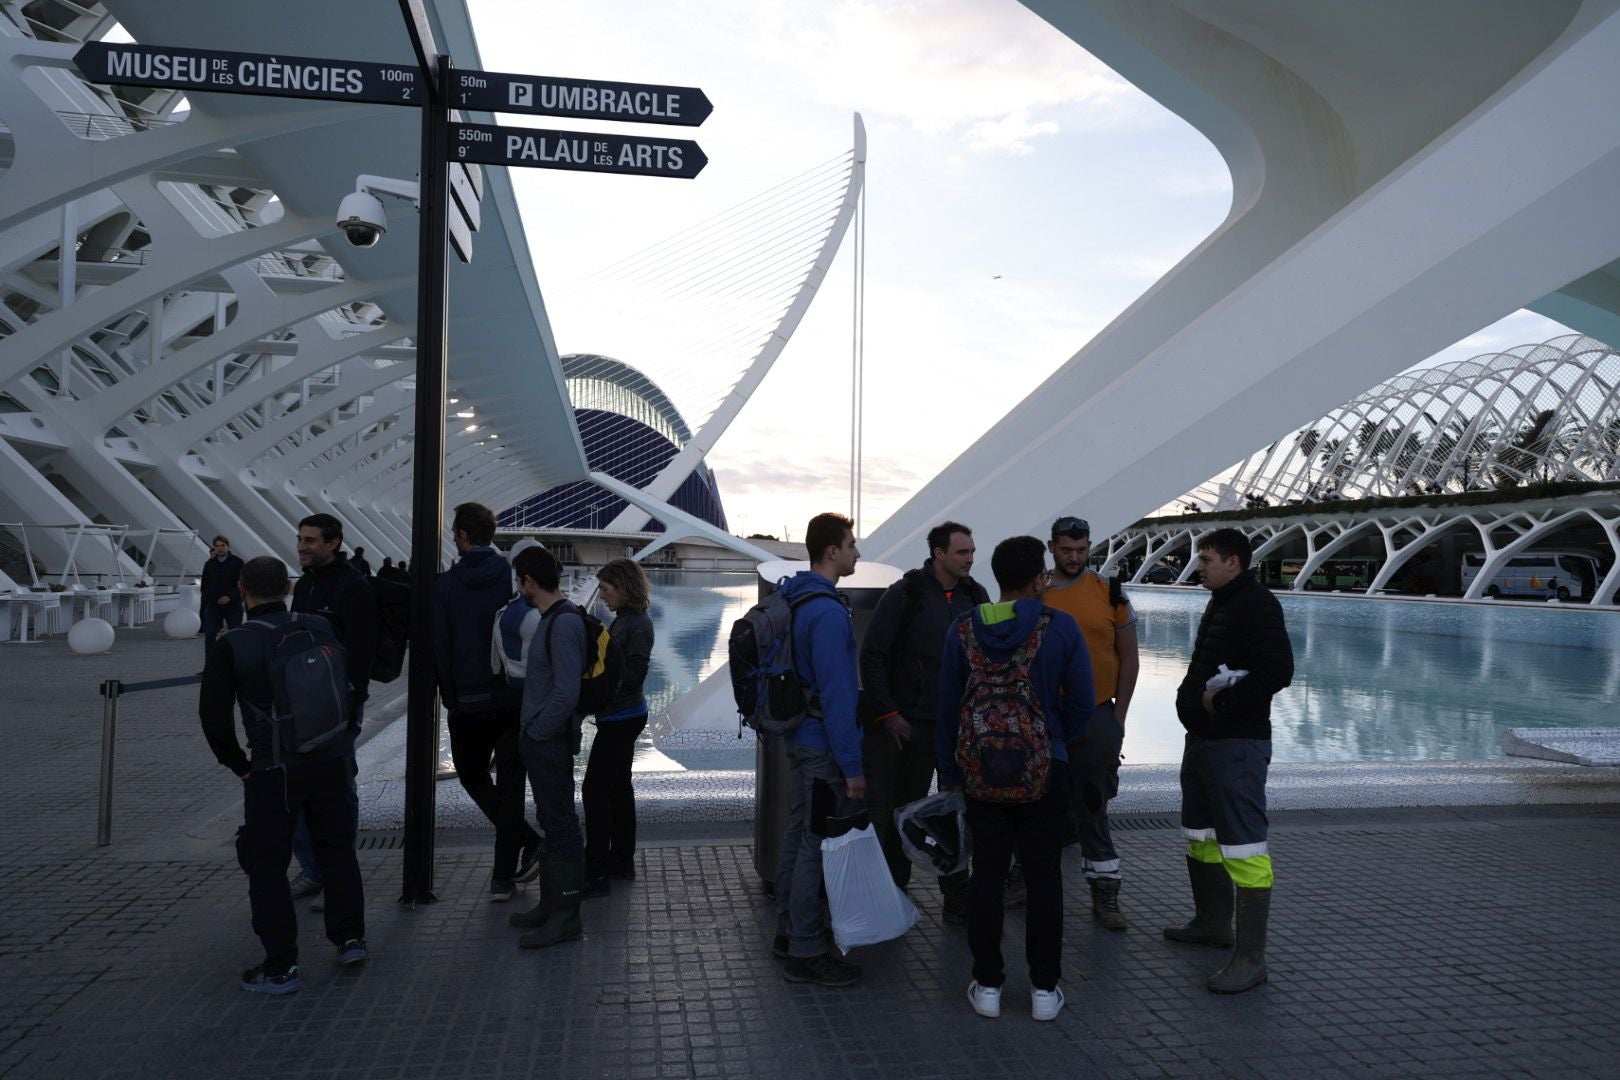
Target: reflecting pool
[(1374, 680)]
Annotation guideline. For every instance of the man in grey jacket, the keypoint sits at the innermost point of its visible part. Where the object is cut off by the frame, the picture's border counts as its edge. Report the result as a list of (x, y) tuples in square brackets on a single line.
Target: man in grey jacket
[(549, 727)]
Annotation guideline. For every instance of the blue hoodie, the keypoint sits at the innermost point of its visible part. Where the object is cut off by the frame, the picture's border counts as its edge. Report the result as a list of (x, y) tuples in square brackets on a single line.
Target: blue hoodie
[(1061, 673), (467, 597), (824, 655)]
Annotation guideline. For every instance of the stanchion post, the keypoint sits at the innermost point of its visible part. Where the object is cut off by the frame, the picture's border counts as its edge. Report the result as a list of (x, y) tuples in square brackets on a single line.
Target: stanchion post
[(110, 689)]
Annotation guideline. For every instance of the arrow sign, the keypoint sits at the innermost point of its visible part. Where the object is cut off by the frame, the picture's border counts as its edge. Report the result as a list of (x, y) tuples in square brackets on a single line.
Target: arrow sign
[(587, 151), (249, 73), (588, 99)]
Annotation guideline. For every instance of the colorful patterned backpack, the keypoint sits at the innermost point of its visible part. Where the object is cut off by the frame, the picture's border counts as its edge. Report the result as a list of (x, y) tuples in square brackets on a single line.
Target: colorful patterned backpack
[(1003, 746)]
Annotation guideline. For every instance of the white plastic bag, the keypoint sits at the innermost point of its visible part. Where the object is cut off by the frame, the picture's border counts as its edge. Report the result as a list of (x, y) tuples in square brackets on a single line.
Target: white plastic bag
[(866, 905)]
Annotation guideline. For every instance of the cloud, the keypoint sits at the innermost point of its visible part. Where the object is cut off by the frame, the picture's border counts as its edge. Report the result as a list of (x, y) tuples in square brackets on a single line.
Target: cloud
[(1009, 135)]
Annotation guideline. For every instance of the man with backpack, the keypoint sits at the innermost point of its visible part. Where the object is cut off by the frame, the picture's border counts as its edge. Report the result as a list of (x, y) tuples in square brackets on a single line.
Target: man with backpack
[(900, 656), (483, 710), (340, 594), (824, 750), (1014, 689), (1109, 626), (279, 668), (550, 725), (1241, 658)]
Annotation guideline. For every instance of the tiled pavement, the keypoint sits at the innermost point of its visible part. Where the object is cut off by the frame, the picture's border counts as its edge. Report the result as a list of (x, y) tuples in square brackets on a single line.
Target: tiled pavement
[(1404, 943)]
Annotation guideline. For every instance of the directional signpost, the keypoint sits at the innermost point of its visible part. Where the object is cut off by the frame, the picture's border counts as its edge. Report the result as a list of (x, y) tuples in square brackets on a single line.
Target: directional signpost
[(450, 188)]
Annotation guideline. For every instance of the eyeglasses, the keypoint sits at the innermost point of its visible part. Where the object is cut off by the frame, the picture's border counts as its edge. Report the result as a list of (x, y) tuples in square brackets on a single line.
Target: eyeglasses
[(1069, 526)]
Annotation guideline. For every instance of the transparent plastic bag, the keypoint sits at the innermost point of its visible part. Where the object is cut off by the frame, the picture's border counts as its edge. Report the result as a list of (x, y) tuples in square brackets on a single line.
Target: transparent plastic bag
[(934, 834), (867, 907)]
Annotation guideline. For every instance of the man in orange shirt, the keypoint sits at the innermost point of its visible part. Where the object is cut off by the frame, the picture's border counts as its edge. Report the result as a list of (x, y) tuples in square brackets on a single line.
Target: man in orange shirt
[(1109, 626)]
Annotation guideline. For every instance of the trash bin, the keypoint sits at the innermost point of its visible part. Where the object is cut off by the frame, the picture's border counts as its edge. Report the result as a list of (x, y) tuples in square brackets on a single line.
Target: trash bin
[(862, 590)]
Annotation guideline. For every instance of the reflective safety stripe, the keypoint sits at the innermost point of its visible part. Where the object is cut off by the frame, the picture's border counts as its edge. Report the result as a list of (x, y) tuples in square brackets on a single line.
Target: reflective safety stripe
[(1244, 851), (1204, 851), (1198, 834), (1253, 872)]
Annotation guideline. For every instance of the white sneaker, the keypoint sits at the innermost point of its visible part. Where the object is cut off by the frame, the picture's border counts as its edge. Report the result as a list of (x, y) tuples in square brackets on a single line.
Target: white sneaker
[(1046, 1004), (986, 1000)]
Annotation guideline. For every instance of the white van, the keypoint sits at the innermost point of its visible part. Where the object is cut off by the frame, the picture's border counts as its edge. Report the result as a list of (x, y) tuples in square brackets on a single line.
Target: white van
[(1565, 575)]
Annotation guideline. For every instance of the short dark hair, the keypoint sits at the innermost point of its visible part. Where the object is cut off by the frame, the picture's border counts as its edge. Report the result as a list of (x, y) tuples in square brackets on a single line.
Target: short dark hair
[(359, 551), (1227, 543), (264, 577), (331, 528), (219, 540), (825, 531), (627, 576), (477, 521), (539, 566), (1017, 561), (1075, 528), (940, 535)]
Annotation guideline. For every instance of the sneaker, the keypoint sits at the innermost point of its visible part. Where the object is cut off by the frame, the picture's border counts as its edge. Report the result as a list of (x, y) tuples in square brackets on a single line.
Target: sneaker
[(823, 970), (255, 981), (595, 885), (986, 1000), (303, 885), (500, 890), (529, 864), (353, 952), (318, 904), (1046, 1004)]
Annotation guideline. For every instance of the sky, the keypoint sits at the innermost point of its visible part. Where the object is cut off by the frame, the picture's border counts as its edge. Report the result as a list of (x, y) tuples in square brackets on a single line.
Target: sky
[(1019, 196)]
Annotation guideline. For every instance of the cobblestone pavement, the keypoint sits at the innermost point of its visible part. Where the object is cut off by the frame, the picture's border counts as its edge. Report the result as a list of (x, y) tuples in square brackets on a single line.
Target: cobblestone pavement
[(1442, 942)]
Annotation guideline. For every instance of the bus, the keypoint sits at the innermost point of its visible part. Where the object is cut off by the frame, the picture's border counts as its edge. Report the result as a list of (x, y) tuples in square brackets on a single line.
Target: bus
[(1349, 573), (1547, 575)]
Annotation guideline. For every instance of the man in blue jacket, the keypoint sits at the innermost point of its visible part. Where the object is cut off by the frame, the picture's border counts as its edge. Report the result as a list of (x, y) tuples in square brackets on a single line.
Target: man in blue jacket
[(1014, 690), (483, 715), (825, 751)]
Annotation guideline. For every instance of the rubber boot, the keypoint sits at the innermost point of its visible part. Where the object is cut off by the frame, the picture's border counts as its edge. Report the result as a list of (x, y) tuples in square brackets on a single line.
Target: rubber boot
[(537, 915), (1211, 923), (1105, 904), (1247, 968), (564, 882)]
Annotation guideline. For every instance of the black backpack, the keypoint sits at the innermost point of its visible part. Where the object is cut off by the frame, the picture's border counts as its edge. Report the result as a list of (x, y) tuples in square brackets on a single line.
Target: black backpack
[(604, 663), (393, 627), (770, 697), (311, 707)]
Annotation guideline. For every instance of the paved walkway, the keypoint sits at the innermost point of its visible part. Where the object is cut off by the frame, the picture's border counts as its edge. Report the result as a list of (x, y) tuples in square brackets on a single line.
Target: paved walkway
[(1438, 942)]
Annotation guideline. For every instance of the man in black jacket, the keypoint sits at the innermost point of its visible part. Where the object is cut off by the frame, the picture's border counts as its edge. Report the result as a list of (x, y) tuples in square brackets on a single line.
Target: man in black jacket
[(1241, 658), (483, 715), (336, 591), (275, 786), (900, 660), (221, 604)]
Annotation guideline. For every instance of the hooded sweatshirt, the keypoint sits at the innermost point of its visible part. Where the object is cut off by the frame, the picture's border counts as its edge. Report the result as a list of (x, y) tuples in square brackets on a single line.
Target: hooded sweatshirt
[(824, 657), (466, 599), (1061, 673)]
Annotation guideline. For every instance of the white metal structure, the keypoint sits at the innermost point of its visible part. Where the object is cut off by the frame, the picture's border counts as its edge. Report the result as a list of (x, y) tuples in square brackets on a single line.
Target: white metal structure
[(1402, 175)]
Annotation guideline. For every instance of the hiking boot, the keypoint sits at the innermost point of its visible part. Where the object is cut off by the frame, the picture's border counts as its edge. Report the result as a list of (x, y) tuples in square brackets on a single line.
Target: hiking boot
[(986, 1000), (303, 885), (595, 885), (1015, 894), (1105, 904), (563, 886), (501, 890), (529, 863), (353, 952), (1247, 968), (1045, 1004), (823, 970), (255, 981), (1211, 923)]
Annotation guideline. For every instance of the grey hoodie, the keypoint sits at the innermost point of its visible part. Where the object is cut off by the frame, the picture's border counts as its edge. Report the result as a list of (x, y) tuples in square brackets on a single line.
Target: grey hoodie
[(551, 685)]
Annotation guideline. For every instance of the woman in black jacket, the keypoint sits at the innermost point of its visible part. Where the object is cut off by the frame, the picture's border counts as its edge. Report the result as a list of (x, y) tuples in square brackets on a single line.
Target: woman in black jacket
[(609, 799)]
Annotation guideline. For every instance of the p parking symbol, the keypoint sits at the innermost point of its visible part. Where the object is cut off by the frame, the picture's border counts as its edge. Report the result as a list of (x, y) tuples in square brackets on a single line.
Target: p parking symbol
[(520, 94)]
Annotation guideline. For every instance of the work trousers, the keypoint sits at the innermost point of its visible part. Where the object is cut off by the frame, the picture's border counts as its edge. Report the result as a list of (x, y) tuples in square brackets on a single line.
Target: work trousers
[(1094, 775), (1034, 832), (270, 800), (476, 738), (609, 797), (895, 776), (800, 908)]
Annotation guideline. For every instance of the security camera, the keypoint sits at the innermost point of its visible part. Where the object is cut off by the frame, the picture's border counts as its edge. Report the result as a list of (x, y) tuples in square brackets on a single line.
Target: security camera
[(361, 217)]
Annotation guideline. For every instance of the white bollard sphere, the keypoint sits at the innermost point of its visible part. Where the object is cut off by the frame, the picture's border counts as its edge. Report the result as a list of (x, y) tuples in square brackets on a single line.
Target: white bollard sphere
[(182, 623), (91, 636)]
